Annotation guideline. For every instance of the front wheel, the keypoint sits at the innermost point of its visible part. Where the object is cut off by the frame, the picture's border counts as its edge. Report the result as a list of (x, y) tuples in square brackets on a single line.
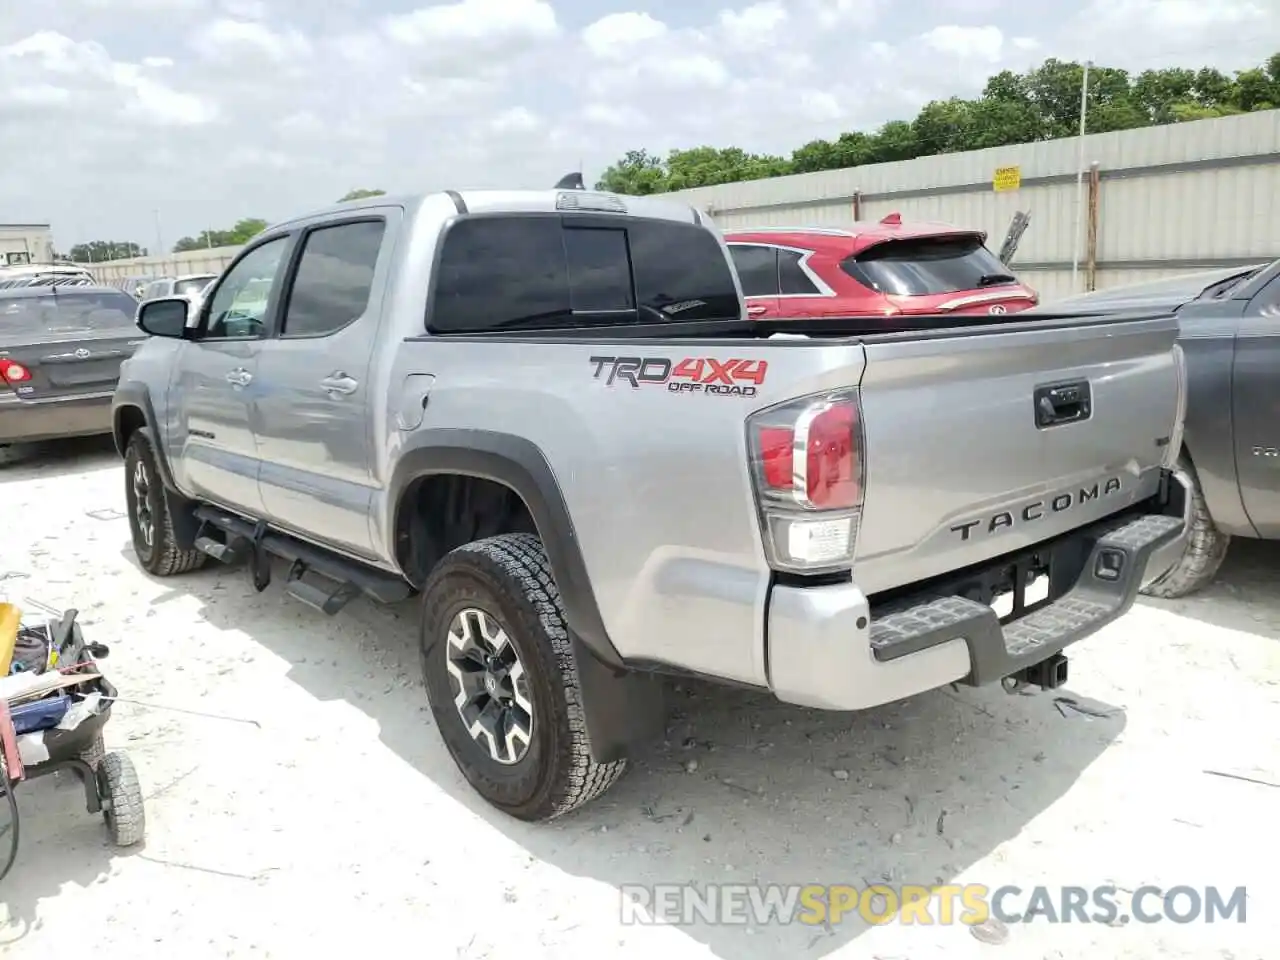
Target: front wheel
[(502, 679), (150, 522), (1205, 550)]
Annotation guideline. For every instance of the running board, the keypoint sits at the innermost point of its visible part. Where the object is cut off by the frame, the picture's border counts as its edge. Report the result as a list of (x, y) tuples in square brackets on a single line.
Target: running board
[(317, 577)]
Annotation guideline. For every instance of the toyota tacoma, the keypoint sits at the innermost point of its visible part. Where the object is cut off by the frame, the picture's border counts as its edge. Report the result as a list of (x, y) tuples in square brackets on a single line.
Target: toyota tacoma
[(548, 415)]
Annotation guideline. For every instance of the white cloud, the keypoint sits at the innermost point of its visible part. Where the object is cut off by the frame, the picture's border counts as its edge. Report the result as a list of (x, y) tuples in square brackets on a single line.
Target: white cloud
[(90, 77), (618, 34), (755, 26), (477, 22), (982, 43), (245, 9), (226, 38), (515, 120)]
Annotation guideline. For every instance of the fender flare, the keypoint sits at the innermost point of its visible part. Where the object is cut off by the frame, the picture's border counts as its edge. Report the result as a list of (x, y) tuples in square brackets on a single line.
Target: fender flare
[(132, 395), (521, 466)]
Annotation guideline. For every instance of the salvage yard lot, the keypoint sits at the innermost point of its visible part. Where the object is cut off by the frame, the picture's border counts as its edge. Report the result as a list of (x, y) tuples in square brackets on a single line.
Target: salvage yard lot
[(318, 811)]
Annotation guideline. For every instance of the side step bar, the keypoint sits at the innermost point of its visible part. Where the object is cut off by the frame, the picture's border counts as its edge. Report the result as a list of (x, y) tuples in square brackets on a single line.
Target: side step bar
[(316, 577)]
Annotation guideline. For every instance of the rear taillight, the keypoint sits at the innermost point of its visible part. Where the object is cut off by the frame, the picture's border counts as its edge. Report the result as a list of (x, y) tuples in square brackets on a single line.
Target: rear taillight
[(11, 371), (807, 467)]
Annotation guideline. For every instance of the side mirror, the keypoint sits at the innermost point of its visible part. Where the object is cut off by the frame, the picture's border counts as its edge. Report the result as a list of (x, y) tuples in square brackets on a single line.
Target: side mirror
[(164, 317)]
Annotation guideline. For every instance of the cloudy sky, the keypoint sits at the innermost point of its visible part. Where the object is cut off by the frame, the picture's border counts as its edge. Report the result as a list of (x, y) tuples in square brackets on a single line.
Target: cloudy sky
[(124, 119)]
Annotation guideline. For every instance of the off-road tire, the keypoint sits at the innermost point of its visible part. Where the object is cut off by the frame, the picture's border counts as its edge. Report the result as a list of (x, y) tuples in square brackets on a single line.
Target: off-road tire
[(1206, 546), (510, 578), (121, 792), (163, 558)]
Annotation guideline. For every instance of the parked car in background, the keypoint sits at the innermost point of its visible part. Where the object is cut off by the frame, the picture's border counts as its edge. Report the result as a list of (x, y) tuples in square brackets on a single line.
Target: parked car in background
[(133, 286), (60, 355), (39, 275), (187, 285), (1229, 321), (883, 269)]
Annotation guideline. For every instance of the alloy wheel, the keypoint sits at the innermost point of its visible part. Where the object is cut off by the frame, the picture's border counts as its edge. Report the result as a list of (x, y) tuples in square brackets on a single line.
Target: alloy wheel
[(489, 685), (142, 503)]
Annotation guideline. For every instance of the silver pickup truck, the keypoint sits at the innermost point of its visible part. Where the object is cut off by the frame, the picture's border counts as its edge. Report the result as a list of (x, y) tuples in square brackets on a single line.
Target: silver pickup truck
[(547, 414)]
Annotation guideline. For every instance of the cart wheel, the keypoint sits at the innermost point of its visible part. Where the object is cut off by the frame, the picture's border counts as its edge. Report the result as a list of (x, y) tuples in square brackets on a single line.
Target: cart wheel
[(94, 752), (121, 799)]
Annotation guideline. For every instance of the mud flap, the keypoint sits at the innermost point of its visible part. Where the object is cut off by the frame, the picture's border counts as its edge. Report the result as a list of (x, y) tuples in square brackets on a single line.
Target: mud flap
[(622, 709)]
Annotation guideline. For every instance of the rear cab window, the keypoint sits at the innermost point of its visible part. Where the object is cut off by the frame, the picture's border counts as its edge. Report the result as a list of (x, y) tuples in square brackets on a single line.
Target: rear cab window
[(560, 271), (927, 265), (75, 313)]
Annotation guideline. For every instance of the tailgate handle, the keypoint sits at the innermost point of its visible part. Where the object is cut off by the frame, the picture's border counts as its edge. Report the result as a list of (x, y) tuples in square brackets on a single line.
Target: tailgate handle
[(1062, 403)]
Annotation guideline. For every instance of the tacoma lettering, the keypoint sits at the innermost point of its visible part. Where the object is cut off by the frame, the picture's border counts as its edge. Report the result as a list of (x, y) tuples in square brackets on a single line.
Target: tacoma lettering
[(1038, 510)]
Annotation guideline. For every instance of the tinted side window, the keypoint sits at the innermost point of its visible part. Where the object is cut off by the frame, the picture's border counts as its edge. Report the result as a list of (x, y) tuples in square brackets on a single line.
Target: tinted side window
[(239, 304), (334, 279), (599, 270), (681, 273), (791, 276), (495, 272), (757, 268)]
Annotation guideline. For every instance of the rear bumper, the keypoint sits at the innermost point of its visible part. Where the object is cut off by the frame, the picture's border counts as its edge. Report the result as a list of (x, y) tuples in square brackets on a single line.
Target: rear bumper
[(28, 421), (828, 648)]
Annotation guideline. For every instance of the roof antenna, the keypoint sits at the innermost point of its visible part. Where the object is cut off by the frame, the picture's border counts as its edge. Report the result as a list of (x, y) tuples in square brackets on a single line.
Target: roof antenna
[(571, 181)]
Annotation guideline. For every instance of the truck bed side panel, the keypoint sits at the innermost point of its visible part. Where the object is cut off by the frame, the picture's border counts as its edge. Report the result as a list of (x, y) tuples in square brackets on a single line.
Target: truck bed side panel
[(655, 479)]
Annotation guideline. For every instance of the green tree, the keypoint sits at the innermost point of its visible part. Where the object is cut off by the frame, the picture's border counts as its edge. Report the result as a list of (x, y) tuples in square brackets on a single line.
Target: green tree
[(707, 166), (96, 251), (637, 174), (1041, 104), (361, 194), (1256, 90), (244, 231)]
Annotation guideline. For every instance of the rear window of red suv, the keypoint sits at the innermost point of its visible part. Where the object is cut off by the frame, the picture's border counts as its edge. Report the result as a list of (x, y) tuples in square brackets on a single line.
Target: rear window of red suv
[(927, 265)]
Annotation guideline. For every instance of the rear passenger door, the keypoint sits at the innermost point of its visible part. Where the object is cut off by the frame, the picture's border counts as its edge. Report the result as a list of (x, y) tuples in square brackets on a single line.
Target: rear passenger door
[(757, 266), (313, 413)]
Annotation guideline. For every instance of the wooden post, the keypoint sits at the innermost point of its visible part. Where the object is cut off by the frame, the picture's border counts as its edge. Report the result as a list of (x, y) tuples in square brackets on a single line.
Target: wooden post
[(1091, 267)]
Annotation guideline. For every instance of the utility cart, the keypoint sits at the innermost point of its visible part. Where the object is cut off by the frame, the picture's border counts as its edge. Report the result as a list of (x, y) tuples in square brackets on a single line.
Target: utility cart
[(110, 782)]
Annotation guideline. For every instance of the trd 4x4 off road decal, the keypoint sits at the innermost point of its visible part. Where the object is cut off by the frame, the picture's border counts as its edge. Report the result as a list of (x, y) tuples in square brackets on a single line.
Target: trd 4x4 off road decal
[(706, 375)]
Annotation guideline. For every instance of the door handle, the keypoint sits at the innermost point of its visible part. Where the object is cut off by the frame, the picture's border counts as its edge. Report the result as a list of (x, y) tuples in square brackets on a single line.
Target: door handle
[(239, 377), (339, 383), (756, 310), (1065, 403)]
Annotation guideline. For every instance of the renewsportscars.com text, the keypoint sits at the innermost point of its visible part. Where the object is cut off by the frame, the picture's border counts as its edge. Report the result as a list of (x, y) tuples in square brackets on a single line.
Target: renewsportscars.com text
[(967, 904)]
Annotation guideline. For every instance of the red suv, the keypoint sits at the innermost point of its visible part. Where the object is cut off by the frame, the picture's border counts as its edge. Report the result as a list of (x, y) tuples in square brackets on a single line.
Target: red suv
[(872, 269)]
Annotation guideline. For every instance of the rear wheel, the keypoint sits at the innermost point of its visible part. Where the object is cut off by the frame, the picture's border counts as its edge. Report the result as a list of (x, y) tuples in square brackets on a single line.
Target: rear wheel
[(502, 679), (121, 796), (150, 521), (1205, 550)]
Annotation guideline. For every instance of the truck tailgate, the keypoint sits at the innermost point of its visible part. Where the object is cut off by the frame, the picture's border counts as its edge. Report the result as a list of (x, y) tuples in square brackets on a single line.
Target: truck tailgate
[(984, 441)]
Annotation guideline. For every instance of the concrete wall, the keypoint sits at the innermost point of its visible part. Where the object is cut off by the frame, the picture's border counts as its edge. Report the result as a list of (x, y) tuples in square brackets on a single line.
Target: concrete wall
[(212, 260), (1169, 200), (25, 243)]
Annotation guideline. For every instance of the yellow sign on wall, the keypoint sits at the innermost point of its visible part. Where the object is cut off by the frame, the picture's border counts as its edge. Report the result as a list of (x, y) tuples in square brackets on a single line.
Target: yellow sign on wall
[(1007, 178)]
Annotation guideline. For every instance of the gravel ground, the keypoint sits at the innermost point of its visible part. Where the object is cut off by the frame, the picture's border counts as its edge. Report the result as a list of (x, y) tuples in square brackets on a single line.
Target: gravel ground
[(327, 815)]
